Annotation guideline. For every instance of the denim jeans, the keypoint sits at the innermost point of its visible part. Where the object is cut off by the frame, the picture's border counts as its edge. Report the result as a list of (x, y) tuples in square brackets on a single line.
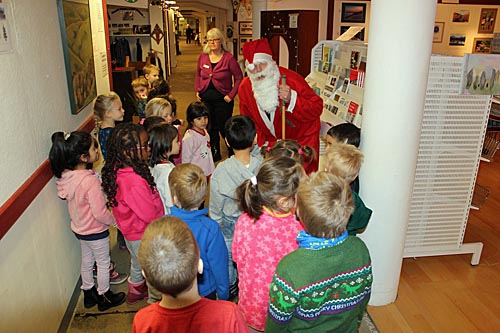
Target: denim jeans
[(98, 251), (227, 228), (135, 267)]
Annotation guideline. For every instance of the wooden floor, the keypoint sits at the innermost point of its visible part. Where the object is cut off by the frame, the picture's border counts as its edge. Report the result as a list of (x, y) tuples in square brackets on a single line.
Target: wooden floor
[(446, 293)]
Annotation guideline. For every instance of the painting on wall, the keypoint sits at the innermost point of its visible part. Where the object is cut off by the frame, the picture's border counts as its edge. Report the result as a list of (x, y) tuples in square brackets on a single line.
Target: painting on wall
[(353, 12), (482, 45), (74, 19), (461, 16), (457, 40), (438, 32), (480, 75), (359, 36), (487, 20)]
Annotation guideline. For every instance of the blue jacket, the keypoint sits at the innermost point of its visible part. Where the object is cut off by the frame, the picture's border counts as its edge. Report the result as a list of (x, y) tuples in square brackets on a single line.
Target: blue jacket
[(213, 251)]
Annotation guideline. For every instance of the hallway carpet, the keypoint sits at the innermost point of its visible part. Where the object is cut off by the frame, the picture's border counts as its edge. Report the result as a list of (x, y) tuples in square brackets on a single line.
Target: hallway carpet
[(119, 319)]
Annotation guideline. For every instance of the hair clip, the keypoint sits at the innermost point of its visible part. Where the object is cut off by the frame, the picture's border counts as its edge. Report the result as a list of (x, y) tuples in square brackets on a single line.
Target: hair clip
[(268, 148), (253, 179), (300, 151), (66, 135)]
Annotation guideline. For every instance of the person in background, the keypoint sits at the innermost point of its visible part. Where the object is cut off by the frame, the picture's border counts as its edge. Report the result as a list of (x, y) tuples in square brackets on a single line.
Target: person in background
[(264, 92), (241, 136), (90, 219), (132, 195), (218, 76), (140, 86), (265, 232), (188, 187), (170, 258), (324, 285)]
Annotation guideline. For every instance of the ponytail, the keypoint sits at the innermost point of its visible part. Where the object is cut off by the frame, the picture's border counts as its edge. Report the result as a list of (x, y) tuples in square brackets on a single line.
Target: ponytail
[(67, 149), (249, 199)]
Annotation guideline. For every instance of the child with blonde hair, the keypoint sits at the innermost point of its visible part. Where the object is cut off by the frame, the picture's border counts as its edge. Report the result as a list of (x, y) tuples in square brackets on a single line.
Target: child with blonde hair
[(151, 73), (132, 195), (344, 160), (188, 186), (160, 107), (324, 285), (140, 86), (265, 232)]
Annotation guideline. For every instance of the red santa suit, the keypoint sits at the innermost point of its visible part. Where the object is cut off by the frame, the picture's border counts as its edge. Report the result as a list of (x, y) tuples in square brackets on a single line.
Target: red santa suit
[(302, 112)]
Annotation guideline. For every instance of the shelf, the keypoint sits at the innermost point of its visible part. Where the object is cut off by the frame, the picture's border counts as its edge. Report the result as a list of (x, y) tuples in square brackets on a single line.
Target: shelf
[(129, 35)]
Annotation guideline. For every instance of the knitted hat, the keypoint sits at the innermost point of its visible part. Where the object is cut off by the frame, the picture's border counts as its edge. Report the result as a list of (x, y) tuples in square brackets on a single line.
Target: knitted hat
[(256, 51)]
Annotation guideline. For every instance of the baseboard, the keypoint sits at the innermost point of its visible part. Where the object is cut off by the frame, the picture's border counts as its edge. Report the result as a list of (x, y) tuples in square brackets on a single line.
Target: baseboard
[(70, 310)]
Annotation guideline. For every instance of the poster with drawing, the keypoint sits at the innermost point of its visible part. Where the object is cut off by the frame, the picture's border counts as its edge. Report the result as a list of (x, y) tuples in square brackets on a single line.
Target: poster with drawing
[(481, 74), (5, 34)]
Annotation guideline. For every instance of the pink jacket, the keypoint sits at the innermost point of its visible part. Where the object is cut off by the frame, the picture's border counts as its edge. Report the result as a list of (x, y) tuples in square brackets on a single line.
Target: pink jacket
[(137, 206), (86, 201)]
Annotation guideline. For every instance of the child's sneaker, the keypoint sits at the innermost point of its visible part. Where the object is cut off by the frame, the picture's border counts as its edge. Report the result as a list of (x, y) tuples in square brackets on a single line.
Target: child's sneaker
[(117, 278)]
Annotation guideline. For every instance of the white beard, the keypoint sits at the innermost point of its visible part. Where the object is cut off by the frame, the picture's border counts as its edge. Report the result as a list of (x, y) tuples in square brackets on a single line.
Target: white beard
[(266, 90)]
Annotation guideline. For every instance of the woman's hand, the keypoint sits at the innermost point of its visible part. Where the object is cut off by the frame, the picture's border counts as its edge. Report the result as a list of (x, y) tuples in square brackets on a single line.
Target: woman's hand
[(198, 97), (227, 99)]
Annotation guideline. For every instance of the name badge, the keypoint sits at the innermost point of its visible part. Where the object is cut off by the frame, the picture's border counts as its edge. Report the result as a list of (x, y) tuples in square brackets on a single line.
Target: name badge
[(206, 66)]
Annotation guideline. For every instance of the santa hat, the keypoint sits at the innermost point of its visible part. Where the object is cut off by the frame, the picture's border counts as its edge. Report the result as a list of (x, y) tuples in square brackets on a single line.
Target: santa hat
[(256, 51)]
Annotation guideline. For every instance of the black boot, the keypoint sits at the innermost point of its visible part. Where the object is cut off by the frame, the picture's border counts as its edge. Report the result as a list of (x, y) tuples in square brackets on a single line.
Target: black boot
[(109, 300), (90, 297)]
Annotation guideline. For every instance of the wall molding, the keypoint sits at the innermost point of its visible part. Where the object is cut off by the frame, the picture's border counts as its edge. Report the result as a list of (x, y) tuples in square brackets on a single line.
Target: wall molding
[(18, 202)]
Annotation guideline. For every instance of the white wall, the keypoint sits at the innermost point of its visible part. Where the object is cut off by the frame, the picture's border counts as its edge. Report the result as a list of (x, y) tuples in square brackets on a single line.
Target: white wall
[(39, 256)]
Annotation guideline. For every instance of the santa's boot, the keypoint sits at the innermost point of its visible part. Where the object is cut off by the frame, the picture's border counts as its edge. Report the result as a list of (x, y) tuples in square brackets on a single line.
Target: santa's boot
[(137, 292)]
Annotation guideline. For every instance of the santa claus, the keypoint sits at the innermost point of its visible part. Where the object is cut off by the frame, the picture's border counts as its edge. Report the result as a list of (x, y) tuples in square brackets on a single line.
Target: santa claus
[(265, 90)]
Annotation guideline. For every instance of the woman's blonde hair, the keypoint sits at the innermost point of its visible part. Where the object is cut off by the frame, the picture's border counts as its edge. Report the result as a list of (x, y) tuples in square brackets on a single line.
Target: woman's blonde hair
[(156, 106), (102, 104), (215, 33)]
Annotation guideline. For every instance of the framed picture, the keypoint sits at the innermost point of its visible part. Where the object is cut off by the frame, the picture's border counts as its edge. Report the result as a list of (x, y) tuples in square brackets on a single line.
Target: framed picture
[(353, 12), (245, 28), (74, 20), (243, 40), (359, 36), (461, 16), (438, 32), (487, 20), (457, 40), (482, 45)]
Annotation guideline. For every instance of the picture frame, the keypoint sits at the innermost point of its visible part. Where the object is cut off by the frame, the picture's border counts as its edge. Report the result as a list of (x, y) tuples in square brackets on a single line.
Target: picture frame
[(78, 51), (359, 36), (242, 41), (461, 16), (482, 45), (353, 12), (438, 32), (487, 20), (457, 39), (245, 28)]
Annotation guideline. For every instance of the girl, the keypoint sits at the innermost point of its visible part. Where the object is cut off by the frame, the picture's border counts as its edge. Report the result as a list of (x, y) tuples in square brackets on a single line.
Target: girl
[(265, 232), (108, 110), (164, 141), (132, 195), (196, 141), (90, 219), (291, 148)]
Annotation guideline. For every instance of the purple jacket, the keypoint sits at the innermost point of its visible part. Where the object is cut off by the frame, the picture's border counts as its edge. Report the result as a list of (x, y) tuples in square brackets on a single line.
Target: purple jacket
[(222, 75)]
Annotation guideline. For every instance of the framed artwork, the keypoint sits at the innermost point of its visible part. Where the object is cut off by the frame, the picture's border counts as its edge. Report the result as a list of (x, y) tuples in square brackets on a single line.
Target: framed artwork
[(245, 27), (457, 40), (359, 36), (482, 45), (461, 16), (487, 20), (74, 20), (438, 32), (353, 12), (243, 40), (480, 75)]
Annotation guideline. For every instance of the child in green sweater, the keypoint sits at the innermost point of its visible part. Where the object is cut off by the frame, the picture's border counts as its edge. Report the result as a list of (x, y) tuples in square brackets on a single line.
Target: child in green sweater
[(324, 285)]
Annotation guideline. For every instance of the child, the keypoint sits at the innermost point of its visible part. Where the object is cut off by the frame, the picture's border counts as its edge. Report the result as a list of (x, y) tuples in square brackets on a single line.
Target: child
[(171, 261), (132, 195), (159, 88), (160, 107), (151, 74), (345, 161), (291, 148), (345, 133), (188, 186), (241, 135), (149, 122), (265, 232), (90, 219), (324, 285), (140, 86), (164, 141), (196, 141)]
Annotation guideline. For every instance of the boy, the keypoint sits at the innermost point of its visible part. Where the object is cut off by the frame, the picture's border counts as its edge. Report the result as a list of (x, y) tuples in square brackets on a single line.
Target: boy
[(151, 73), (188, 186), (345, 133), (241, 136), (324, 285), (140, 86), (170, 259), (345, 161)]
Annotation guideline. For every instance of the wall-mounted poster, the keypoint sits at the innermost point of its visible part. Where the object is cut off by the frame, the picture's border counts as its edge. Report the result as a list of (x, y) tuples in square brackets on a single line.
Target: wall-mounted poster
[(487, 20), (438, 32), (480, 75), (245, 28), (74, 19), (353, 12), (461, 16), (481, 45), (457, 40), (5, 19)]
